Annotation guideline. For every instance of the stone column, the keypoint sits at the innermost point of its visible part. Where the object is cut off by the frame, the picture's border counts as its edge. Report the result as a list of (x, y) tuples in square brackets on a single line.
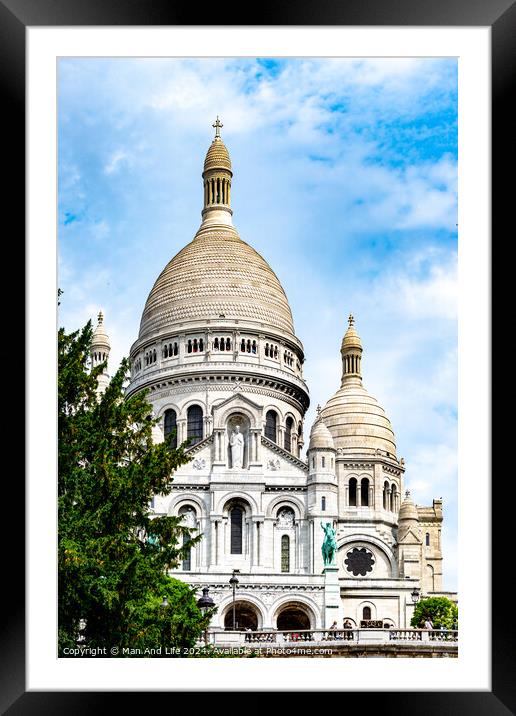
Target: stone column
[(297, 538), (215, 537), (181, 430), (332, 601)]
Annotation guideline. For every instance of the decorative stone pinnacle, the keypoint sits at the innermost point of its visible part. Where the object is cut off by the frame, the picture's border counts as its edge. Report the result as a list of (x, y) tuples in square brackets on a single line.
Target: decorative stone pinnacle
[(351, 320), (217, 125)]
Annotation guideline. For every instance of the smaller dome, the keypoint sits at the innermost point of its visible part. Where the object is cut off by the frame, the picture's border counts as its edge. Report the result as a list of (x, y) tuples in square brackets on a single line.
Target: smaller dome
[(408, 510), (217, 156), (320, 436)]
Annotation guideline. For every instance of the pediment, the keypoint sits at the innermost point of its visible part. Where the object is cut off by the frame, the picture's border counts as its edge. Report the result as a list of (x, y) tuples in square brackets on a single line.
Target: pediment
[(410, 537), (276, 460), (237, 401)]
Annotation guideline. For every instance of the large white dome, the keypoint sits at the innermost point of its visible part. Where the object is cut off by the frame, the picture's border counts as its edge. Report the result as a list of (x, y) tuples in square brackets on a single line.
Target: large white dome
[(217, 274)]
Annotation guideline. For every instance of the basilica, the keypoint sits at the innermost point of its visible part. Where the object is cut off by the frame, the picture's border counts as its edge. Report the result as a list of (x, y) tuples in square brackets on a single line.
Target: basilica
[(218, 353)]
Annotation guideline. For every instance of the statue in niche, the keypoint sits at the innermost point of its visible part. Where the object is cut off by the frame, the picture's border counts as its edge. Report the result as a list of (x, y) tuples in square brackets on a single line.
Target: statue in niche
[(189, 517), (286, 518), (236, 442)]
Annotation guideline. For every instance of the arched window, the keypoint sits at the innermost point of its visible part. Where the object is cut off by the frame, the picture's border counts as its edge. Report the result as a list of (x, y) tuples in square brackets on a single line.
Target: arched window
[(353, 492), (201, 344), (165, 352), (323, 462), (236, 518), (228, 344), (248, 346), (170, 428), (323, 504), (364, 492), (187, 558), (176, 349), (393, 498), (285, 553), (386, 495), (275, 351), (194, 424), (216, 344), (289, 424), (189, 348), (266, 350), (366, 613), (154, 356), (195, 346), (253, 348), (270, 425), (427, 539), (190, 522), (242, 345)]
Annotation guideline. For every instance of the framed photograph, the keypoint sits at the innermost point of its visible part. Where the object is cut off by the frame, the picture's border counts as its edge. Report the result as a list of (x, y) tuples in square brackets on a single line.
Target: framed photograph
[(400, 119)]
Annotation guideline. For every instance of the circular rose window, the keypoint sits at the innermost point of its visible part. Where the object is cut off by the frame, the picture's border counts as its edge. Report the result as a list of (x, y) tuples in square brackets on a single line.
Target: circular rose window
[(359, 561)]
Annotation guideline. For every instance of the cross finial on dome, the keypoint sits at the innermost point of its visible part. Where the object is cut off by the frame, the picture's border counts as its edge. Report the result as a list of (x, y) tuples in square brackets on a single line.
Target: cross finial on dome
[(351, 320), (217, 125), (318, 410), (407, 494), (100, 317)]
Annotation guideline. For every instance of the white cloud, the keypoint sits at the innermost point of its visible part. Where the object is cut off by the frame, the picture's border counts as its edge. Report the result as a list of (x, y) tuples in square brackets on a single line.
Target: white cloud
[(116, 160)]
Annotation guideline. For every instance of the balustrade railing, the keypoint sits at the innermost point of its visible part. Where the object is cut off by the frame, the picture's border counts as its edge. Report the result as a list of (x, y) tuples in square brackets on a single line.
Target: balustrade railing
[(301, 636), (423, 635)]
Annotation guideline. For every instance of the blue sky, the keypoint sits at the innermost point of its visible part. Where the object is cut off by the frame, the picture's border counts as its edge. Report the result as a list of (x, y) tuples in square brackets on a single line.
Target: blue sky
[(345, 180)]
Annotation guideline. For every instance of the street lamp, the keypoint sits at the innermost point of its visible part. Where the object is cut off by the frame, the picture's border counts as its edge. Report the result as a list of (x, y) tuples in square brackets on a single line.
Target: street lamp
[(163, 611), (205, 603), (415, 595), (234, 583)]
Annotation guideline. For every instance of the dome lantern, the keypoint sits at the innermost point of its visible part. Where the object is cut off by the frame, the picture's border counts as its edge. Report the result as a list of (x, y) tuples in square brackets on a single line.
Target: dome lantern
[(99, 351), (351, 352), (217, 177), (100, 345)]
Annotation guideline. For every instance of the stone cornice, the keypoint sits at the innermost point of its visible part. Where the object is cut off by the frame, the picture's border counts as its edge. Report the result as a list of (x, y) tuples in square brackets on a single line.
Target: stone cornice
[(264, 586), (210, 375), (284, 488), (189, 487)]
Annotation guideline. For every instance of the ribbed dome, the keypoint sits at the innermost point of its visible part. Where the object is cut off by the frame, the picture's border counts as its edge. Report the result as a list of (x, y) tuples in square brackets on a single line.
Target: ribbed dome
[(217, 156), (320, 436), (357, 422), (217, 274)]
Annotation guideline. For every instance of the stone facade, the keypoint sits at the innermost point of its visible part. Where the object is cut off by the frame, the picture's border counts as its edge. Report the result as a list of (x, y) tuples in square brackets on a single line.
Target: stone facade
[(218, 352)]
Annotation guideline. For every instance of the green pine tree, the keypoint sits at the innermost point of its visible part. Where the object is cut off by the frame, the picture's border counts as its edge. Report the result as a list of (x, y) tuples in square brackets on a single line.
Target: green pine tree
[(113, 556)]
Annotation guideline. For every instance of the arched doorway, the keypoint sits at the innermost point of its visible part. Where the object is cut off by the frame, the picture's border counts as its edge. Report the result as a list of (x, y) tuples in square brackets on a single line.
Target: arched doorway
[(246, 617), (292, 617)]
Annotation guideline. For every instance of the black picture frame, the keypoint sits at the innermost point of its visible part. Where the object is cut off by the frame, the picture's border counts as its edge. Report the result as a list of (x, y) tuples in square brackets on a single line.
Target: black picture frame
[(500, 16)]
